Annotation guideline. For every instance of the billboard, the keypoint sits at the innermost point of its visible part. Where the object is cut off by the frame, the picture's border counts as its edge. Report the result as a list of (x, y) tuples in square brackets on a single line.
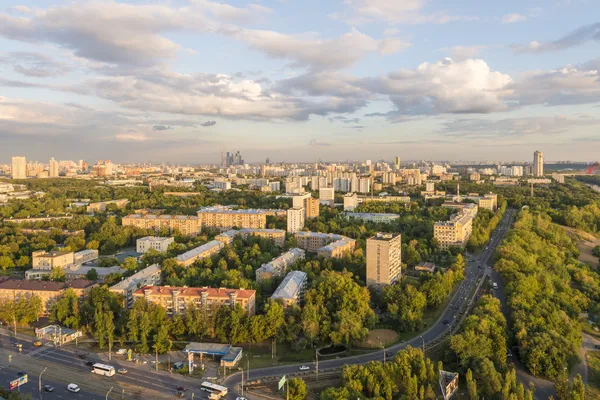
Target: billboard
[(281, 383), (191, 362), (18, 382)]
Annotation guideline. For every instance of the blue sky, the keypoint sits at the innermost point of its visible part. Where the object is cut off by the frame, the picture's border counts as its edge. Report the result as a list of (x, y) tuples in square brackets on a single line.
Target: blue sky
[(184, 80)]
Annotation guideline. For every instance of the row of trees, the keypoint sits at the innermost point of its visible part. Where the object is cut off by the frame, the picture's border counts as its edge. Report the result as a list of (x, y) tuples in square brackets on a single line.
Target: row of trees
[(337, 311), (410, 374), (484, 224), (536, 261), (407, 301), (24, 310)]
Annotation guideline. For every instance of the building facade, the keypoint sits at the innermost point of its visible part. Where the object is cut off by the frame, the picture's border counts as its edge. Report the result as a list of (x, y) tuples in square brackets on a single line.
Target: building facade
[(160, 244), (206, 250), (350, 202), (291, 290), (224, 218), (48, 292), (101, 205), (176, 299), (278, 266), (384, 259), (328, 245), (457, 231), (19, 168), (149, 276), (538, 163), (295, 219), (185, 224)]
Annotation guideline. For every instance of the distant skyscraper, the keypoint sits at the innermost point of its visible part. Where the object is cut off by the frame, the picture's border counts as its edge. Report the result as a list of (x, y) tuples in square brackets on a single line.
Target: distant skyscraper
[(19, 168), (53, 168), (538, 163), (232, 159), (397, 162), (384, 254)]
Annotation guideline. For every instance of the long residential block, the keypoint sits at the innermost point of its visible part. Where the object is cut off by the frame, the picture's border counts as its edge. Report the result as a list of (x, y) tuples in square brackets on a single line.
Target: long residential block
[(206, 250), (176, 299)]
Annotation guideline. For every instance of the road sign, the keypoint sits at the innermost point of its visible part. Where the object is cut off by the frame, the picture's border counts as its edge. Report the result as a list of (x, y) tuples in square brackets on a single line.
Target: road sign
[(281, 383), (18, 382), (190, 362)]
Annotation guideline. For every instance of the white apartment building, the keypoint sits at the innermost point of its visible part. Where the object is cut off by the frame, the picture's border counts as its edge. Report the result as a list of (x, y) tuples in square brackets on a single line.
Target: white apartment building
[(538, 163), (150, 276), (326, 194), (364, 185), (19, 168), (221, 184), (160, 244), (295, 219), (53, 168), (350, 202), (292, 288), (278, 266)]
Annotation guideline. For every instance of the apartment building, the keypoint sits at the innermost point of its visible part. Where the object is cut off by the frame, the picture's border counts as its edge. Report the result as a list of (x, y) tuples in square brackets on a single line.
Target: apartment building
[(278, 266), (292, 288), (475, 177), (41, 259), (19, 168), (276, 235), (48, 292), (350, 202), (327, 245), (185, 224), (488, 201), (101, 205), (225, 218), (337, 249), (295, 219), (84, 256), (160, 244), (538, 163), (206, 250), (384, 259), (176, 299), (384, 218), (384, 199), (457, 231), (326, 194), (149, 276)]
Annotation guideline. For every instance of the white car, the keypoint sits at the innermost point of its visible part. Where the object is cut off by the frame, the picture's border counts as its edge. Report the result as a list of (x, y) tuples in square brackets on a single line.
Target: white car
[(304, 368), (121, 351), (73, 388)]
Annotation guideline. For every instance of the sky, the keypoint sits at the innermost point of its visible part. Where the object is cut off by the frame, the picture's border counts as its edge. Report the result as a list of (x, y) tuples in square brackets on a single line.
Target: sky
[(299, 80)]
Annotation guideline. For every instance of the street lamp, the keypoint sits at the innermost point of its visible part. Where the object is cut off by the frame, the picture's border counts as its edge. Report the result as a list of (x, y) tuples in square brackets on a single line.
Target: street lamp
[(107, 393), (242, 369), (423, 344), (40, 382)]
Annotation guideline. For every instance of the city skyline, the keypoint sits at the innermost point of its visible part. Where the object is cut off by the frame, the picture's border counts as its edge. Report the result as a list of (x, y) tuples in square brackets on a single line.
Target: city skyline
[(334, 80)]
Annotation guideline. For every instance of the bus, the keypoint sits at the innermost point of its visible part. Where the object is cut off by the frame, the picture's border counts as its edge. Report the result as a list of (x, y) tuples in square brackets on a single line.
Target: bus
[(215, 391), (103, 369)]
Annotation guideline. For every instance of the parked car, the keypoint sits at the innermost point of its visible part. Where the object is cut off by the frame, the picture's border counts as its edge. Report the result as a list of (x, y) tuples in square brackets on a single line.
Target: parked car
[(48, 388), (304, 368), (73, 388), (121, 352)]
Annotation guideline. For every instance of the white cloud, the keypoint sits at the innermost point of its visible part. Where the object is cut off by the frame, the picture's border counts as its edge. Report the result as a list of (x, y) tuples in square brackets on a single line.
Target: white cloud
[(460, 53), (513, 18), (315, 52), (398, 11), (470, 86)]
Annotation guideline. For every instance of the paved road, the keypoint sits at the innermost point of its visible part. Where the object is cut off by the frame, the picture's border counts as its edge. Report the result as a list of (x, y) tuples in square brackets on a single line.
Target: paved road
[(64, 367), (475, 272)]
